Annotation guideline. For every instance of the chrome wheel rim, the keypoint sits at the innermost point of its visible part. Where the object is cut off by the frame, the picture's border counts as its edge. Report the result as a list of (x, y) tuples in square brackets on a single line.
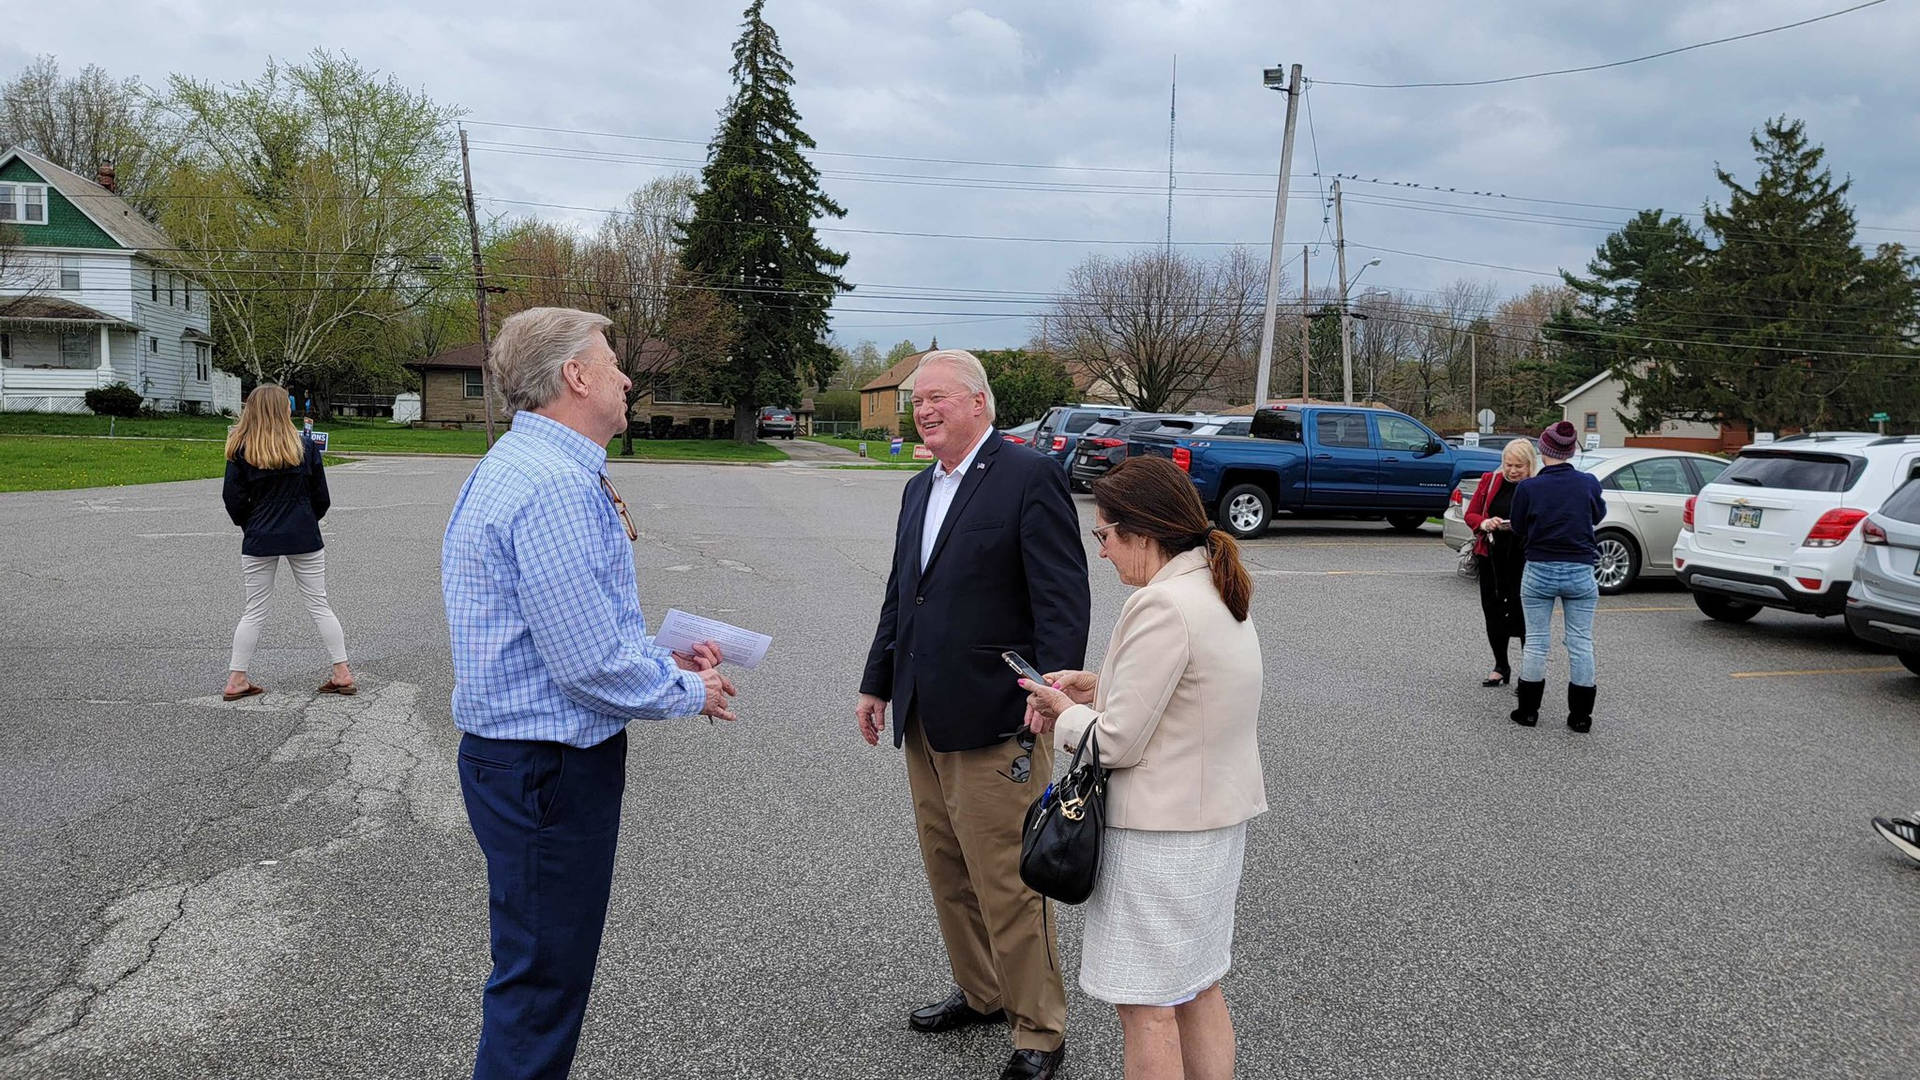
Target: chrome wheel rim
[(1610, 572), (1244, 512)]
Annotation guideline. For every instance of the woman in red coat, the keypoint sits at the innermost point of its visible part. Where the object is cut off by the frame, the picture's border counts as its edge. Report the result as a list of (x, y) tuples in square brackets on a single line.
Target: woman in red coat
[(1497, 553)]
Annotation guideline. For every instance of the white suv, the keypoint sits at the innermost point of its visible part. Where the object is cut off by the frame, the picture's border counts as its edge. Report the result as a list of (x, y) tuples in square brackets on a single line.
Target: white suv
[(1779, 528)]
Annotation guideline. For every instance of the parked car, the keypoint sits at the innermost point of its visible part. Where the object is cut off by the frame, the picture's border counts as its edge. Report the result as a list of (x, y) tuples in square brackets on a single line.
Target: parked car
[(1780, 527), (1021, 434), (775, 420), (1104, 445), (1883, 603), (1321, 461), (1646, 493), (1205, 425), (1061, 428)]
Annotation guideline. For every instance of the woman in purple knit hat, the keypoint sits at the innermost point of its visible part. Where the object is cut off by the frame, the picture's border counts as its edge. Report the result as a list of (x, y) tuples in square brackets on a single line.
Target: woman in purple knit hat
[(1554, 514)]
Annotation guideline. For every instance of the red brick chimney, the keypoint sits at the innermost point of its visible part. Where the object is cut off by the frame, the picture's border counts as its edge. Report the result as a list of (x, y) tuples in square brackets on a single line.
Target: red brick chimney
[(106, 178)]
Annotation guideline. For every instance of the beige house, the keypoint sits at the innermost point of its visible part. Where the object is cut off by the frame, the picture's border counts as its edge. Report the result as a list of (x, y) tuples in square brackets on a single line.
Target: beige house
[(889, 396), (1594, 407), (451, 391)]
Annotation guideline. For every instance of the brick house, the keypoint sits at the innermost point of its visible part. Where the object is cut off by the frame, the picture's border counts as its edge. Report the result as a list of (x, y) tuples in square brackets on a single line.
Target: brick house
[(451, 391), (889, 395)]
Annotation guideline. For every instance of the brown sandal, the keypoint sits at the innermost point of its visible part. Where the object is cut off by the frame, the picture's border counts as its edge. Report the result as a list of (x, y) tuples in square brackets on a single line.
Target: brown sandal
[(343, 689), (247, 693)]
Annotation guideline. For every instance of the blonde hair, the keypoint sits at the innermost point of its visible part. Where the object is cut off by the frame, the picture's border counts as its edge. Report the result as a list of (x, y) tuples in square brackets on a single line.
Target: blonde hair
[(1521, 451), (532, 347), (264, 436), (966, 365)]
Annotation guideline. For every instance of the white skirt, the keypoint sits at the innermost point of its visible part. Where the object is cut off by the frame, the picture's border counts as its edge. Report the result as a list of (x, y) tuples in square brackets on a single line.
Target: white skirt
[(1160, 921)]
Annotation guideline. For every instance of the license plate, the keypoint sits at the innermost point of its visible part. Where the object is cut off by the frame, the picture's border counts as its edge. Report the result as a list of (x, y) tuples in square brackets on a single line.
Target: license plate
[(1744, 517)]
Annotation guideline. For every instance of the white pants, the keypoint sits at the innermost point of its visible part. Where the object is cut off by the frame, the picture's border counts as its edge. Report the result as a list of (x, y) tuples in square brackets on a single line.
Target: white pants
[(310, 571)]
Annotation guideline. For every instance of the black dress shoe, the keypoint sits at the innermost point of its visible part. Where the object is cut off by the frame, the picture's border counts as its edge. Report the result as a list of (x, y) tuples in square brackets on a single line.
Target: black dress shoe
[(1036, 1064), (952, 1013)]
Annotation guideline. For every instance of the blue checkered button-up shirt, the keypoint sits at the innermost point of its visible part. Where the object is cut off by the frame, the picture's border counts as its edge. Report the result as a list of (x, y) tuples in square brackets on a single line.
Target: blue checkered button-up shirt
[(542, 605)]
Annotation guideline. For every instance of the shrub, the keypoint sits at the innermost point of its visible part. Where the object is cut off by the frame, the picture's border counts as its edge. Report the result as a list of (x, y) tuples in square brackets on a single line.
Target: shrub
[(723, 429), (700, 426), (116, 400), (662, 425)]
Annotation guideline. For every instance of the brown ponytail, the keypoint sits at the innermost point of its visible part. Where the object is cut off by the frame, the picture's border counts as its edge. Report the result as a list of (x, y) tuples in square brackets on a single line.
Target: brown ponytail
[(1151, 497)]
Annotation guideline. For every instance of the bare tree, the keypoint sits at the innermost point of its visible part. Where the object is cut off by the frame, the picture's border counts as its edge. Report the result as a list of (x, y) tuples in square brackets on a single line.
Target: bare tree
[(1155, 328), (89, 122)]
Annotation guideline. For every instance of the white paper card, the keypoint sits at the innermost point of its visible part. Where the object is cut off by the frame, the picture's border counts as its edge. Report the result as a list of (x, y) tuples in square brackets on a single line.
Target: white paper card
[(680, 632)]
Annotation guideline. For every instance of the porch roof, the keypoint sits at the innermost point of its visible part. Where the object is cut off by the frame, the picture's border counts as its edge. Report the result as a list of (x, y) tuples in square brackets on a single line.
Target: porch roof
[(54, 313)]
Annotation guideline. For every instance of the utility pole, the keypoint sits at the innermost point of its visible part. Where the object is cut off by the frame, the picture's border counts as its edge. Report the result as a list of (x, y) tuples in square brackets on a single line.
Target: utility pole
[(1272, 79), (1346, 320), (1306, 323), (480, 290), (1473, 376)]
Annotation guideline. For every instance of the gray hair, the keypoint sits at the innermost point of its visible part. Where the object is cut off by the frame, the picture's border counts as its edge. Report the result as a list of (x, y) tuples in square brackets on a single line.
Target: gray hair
[(967, 366), (531, 347)]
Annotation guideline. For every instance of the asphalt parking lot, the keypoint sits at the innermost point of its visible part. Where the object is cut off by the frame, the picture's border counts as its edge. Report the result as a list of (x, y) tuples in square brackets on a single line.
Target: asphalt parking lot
[(286, 887)]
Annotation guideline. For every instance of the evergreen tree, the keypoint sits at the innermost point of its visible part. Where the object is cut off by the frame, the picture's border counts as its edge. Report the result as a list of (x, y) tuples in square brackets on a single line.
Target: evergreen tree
[(752, 235), (1788, 323), (1639, 276)]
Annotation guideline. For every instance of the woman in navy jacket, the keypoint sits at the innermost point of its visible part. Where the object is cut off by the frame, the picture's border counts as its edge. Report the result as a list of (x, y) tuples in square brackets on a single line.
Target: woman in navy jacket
[(276, 490), (1554, 515)]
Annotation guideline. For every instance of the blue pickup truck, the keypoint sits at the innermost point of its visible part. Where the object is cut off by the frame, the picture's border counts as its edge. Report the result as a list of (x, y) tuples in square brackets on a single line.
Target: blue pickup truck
[(1322, 461)]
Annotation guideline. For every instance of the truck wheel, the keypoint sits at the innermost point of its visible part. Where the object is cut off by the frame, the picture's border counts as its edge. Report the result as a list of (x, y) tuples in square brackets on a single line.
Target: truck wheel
[(1406, 523), (1722, 609), (1245, 511), (1619, 562)]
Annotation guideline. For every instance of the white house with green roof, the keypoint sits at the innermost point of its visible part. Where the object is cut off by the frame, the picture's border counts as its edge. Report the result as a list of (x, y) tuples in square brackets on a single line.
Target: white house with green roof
[(92, 298)]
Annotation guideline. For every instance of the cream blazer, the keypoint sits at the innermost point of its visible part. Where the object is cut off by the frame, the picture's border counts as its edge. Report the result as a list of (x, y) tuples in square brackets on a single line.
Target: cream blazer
[(1178, 708)]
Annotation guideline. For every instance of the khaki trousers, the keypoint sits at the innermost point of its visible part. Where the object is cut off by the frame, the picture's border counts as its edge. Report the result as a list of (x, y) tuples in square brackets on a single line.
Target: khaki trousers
[(969, 812)]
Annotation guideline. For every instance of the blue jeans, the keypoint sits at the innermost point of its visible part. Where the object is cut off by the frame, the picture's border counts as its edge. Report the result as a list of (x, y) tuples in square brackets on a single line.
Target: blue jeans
[(1579, 595), (547, 816)]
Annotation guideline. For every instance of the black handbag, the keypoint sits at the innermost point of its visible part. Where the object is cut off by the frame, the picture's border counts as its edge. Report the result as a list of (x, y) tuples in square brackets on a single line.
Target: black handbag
[(1060, 842)]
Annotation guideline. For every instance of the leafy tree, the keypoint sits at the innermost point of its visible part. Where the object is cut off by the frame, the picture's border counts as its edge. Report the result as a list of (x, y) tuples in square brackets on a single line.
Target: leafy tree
[(900, 351), (751, 236), (1788, 324), (316, 204), (1025, 384)]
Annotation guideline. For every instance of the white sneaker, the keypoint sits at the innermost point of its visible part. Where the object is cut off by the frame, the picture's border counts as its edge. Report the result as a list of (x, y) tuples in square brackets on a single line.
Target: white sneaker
[(1903, 833)]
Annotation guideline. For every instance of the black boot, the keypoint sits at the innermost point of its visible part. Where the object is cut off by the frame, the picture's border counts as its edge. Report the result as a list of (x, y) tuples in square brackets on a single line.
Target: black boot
[(1580, 707), (1528, 714)]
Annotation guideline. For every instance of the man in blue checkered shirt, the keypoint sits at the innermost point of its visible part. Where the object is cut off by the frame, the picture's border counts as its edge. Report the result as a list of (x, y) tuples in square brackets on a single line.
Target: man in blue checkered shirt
[(551, 658)]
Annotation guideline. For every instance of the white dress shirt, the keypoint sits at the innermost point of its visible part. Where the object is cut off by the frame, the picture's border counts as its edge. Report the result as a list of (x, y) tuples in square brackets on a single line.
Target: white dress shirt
[(940, 498)]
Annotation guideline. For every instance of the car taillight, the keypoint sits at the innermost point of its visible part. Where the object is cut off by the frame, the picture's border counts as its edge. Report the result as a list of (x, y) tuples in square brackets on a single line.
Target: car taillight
[(1104, 444), (1811, 584), (1456, 498), (1872, 534), (1834, 527), (1183, 457), (1059, 443), (1015, 438), (1686, 515)]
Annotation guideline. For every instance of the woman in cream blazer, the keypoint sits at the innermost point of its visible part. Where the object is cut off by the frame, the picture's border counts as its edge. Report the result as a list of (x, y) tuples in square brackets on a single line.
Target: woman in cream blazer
[(1175, 708)]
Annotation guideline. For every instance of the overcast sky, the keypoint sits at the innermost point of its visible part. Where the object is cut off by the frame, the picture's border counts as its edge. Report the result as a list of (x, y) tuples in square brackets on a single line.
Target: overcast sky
[(1082, 88)]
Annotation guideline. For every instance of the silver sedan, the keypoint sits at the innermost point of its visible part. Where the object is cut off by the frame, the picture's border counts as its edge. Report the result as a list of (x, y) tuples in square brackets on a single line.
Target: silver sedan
[(1646, 492)]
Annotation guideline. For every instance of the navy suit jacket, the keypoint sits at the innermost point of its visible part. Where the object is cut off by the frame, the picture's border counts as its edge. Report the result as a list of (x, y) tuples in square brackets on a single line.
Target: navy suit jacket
[(1008, 571)]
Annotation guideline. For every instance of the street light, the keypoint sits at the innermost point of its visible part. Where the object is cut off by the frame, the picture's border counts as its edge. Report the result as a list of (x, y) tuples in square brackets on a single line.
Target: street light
[(1288, 80), (1346, 330)]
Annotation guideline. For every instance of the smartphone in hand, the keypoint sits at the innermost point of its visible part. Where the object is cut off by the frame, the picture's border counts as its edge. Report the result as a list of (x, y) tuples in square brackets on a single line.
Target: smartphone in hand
[(1027, 671)]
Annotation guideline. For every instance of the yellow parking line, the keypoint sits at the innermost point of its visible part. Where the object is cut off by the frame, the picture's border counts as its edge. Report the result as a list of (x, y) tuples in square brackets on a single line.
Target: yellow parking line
[(1819, 671)]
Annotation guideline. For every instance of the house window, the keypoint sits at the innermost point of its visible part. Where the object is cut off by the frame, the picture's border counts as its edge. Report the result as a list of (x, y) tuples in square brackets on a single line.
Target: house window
[(153, 285), (6, 346), (906, 401), (76, 349), (23, 203), (203, 362), (1593, 421), (69, 273), (187, 295), (475, 386), (668, 389), (153, 345), (169, 290)]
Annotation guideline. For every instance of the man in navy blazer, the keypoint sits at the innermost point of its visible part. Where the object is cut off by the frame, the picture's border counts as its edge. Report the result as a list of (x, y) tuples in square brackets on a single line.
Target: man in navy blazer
[(987, 558)]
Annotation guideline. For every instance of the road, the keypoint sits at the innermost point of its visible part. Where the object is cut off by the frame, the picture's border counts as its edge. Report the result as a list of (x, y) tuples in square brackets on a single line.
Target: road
[(286, 887)]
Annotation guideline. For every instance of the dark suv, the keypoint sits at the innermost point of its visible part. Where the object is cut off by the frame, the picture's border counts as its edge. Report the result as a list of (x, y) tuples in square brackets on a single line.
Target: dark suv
[(1061, 428), (1104, 445), (775, 420)]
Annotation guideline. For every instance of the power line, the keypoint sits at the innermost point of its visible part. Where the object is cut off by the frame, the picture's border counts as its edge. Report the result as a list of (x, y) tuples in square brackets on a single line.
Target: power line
[(1611, 64)]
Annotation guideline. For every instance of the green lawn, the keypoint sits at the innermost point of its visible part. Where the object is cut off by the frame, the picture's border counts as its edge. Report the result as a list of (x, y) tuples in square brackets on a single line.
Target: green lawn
[(363, 436), (28, 464), (876, 448)]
